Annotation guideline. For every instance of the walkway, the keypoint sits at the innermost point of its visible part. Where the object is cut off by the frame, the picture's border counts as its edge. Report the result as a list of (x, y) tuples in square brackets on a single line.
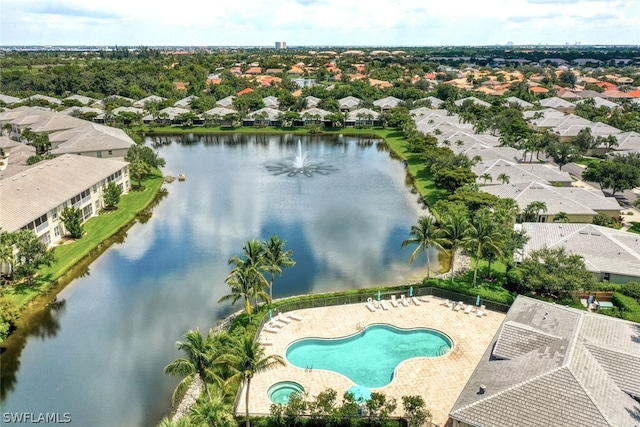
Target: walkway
[(438, 380)]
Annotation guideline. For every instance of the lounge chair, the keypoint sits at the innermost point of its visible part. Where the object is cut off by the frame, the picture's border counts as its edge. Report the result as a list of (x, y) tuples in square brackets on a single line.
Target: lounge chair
[(274, 324), (271, 329), (266, 341), (404, 301), (384, 305), (480, 313), (295, 317), (468, 309), (393, 301), (370, 306), (415, 300), (280, 318), (458, 306), (447, 303)]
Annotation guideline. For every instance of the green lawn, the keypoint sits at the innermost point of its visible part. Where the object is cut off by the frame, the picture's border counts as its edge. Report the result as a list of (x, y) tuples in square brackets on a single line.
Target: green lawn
[(587, 161), (97, 230), (635, 228)]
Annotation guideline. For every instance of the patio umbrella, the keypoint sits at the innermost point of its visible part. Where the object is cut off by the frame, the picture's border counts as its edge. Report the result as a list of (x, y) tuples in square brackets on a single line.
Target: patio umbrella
[(270, 315), (360, 393), (410, 291), (378, 295), (478, 300)]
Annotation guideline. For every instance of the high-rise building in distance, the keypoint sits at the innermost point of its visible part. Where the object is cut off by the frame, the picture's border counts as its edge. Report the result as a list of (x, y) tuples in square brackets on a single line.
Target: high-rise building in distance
[(281, 45)]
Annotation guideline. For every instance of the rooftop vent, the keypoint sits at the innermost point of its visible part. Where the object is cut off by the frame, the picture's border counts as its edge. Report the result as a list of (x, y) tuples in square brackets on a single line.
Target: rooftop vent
[(483, 388)]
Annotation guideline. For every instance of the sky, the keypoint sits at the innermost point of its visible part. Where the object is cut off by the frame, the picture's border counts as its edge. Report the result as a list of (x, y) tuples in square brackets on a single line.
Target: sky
[(318, 22)]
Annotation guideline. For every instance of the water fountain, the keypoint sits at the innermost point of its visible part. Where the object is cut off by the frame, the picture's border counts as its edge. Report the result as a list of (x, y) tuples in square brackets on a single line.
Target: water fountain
[(300, 165)]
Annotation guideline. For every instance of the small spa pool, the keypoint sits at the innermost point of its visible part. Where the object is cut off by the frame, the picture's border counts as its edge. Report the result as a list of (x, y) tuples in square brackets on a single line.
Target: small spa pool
[(369, 357), (279, 392)]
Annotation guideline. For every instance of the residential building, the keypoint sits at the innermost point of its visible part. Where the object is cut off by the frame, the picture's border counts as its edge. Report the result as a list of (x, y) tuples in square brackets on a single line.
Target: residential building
[(611, 255), (33, 198), (552, 365), (489, 171), (348, 103), (580, 204)]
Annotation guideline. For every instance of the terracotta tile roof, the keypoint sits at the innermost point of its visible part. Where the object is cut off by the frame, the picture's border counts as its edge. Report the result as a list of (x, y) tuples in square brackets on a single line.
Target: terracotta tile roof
[(245, 91), (538, 89), (254, 70), (180, 85)]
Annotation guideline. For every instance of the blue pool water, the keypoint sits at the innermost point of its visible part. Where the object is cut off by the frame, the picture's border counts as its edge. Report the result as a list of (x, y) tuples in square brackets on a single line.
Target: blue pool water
[(369, 358), (279, 392)]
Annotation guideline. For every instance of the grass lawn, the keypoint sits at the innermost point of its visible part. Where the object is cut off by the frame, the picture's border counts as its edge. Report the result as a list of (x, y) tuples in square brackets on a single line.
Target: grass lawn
[(587, 161), (97, 230), (635, 228)]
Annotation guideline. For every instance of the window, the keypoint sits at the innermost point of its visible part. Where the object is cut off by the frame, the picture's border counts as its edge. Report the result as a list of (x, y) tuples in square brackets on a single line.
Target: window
[(606, 277), (95, 187), (56, 231), (99, 154), (111, 152), (54, 213), (87, 211), (45, 238), (97, 205)]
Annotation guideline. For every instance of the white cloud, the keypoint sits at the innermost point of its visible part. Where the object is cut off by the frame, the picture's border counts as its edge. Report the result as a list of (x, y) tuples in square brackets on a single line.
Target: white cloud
[(307, 22)]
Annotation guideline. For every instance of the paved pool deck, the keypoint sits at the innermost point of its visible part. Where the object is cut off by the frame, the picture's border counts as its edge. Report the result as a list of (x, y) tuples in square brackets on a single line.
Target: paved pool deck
[(438, 380)]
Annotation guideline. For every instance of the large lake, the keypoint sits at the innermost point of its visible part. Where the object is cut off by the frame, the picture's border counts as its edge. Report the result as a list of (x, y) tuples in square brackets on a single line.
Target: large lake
[(99, 351)]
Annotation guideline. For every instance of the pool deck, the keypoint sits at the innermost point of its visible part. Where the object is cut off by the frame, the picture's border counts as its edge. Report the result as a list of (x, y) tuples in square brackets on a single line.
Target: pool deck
[(438, 380)]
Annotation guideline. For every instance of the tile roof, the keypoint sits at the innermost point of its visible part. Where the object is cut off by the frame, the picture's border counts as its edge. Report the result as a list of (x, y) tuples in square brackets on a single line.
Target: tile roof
[(572, 200), (45, 185), (519, 172), (545, 367), (603, 249)]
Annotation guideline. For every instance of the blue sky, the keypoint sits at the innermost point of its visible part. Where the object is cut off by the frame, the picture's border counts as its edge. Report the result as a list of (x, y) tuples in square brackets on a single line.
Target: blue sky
[(318, 22)]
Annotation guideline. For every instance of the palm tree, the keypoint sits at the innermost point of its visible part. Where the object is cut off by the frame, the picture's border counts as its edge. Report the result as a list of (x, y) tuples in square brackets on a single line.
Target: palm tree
[(254, 253), (561, 217), (276, 258), (424, 234), (483, 233), (503, 178), (197, 364), (214, 413), (454, 231), (486, 177), (533, 210), (6, 251), (245, 283), (247, 361)]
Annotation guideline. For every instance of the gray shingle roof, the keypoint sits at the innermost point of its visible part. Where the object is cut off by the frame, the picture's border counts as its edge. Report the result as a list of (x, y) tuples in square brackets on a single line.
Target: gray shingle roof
[(555, 374)]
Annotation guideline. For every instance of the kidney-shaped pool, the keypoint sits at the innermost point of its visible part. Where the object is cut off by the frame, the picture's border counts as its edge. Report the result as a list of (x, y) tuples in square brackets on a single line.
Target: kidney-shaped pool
[(369, 357)]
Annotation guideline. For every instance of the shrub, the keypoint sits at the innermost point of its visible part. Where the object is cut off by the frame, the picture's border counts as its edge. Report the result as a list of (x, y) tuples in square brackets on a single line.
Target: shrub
[(631, 290)]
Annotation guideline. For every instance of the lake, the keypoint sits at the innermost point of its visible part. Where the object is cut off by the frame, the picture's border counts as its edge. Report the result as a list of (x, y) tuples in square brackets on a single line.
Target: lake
[(97, 352)]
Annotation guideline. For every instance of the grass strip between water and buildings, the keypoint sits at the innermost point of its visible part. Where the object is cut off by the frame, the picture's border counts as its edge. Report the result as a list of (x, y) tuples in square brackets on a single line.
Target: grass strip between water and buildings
[(97, 230)]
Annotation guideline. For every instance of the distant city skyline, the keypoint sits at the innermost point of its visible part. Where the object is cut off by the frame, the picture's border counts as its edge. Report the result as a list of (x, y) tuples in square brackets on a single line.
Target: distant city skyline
[(319, 23)]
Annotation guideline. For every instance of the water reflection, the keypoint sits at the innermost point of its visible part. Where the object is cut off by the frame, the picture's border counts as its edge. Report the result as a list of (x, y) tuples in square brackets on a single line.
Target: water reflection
[(103, 360)]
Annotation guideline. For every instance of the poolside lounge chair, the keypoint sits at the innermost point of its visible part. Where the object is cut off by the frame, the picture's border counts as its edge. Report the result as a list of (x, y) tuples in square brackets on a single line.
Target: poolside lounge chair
[(468, 309), (459, 306), (393, 301), (370, 306), (280, 318), (447, 303), (295, 317), (404, 301), (274, 324), (415, 300), (480, 313), (271, 329), (384, 305), (266, 341)]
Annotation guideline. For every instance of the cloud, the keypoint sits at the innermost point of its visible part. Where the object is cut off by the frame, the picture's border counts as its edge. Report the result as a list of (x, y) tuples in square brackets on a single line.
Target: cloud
[(76, 11)]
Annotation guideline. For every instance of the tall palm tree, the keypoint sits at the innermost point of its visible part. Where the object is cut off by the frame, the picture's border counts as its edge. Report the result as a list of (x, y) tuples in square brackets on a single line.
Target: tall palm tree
[(275, 259), (454, 231), (254, 262), (483, 233), (245, 283), (248, 360), (503, 178), (197, 364), (424, 234), (486, 177)]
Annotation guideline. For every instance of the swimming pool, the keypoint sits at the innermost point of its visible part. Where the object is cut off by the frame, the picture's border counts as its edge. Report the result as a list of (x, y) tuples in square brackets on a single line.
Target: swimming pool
[(279, 392), (369, 357)]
